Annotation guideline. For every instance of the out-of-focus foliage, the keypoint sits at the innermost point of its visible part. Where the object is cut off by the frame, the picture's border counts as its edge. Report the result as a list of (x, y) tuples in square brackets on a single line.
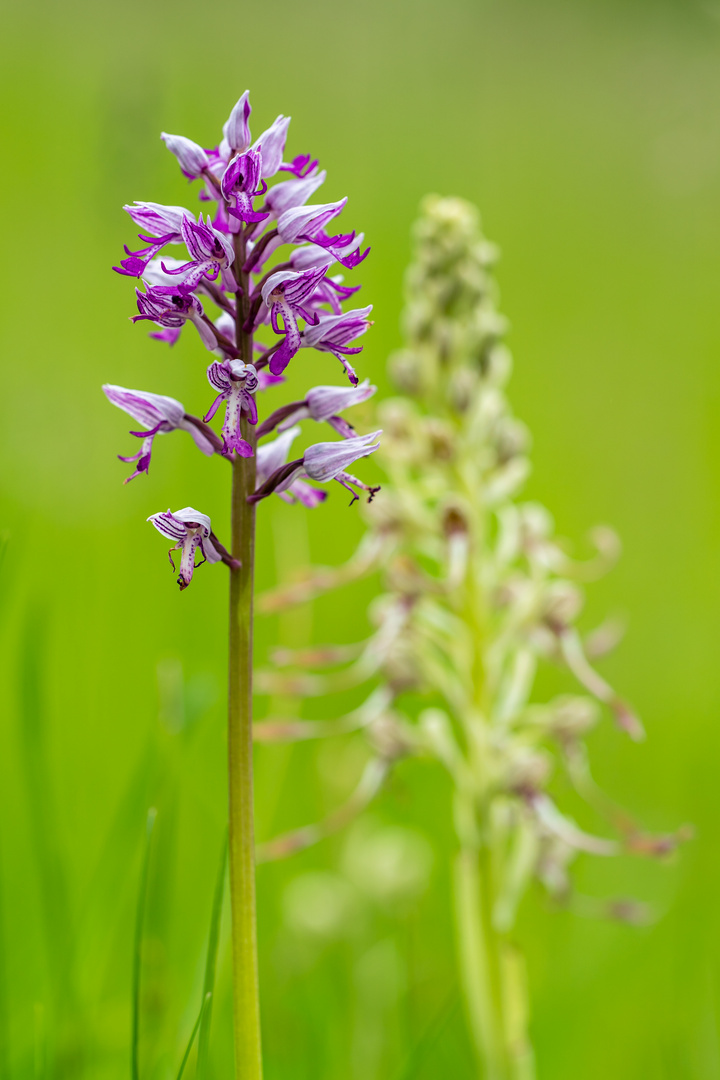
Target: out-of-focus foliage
[(588, 133)]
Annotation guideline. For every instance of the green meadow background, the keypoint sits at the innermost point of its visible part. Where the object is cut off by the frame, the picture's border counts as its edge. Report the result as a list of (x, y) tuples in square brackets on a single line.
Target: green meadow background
[(588, 133)]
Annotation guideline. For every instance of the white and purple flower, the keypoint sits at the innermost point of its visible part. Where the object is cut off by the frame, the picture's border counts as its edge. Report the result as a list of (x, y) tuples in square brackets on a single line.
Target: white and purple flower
[(211, 253), (236, 383), (323, 403), (190, 530), (333, 334), (171, 307), (322, 462), (160, 415), (285, 294)]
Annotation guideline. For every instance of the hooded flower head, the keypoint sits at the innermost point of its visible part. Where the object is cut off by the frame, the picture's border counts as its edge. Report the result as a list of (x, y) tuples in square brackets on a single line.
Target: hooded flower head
[(192, 159), (236, 129), (323, 462), (241, 182), (190, 530), (237, 382), (323, 403), (160, 415), (285, 293), (210, 252)]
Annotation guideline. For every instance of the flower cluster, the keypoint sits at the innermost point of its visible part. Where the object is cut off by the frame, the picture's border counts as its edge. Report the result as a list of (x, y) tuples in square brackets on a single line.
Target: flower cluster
[(257, 282)]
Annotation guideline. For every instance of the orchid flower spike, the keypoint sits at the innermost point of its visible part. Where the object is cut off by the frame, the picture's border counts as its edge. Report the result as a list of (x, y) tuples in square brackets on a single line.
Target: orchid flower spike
[(160, 415), (323, 403), (284, 293), (237, 382), (190, 530), (323, 462), (272, 456)]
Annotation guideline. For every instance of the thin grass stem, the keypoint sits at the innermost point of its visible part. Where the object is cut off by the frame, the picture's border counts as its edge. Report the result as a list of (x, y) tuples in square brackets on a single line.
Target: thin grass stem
[(137, 947), (203, 1008), (211, 964)]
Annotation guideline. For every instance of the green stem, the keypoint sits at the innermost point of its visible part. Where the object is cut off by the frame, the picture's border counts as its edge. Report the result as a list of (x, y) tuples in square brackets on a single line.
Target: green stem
[(478, 967), (246, 1006)]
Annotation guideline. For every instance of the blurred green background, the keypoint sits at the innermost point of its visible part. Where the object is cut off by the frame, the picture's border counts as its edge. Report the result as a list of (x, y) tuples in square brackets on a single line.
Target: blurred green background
[(588, 132)]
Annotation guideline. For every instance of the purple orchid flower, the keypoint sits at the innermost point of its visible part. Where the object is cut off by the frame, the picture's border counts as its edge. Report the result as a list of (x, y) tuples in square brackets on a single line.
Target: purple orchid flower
[(160, 415), (192, 159), (323, 462), (272, 143), (323, 403), (241, 182), (334, 333), (306, 222), (210, 252), (163, 224), (272, 456), (284, 293), (236, 129), (170, 307), (190, 530), (237, 383)]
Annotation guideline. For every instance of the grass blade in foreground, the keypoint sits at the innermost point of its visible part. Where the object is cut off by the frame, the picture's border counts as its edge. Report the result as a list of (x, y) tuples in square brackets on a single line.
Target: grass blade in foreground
[(137, 947), (211, 965)]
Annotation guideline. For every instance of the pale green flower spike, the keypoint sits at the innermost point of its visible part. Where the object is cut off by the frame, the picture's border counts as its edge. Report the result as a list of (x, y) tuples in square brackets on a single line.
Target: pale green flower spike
[(478, 592)]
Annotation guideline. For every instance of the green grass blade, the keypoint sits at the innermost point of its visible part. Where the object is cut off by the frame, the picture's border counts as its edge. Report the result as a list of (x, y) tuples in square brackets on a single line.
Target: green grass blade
[(63, 1017), (427, 1043), (211, 964), (203, 1010), (137, 947)]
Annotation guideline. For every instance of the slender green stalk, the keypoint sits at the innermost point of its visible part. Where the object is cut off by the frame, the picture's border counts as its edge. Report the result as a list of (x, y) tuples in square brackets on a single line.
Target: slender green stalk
[(475, 945), (246, 1006), (137, 948), (203, 1009), (210, 965)]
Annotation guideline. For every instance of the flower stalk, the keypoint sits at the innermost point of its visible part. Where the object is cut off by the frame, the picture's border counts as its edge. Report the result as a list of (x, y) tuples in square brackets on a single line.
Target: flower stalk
[(229, 251), (241, 818)]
